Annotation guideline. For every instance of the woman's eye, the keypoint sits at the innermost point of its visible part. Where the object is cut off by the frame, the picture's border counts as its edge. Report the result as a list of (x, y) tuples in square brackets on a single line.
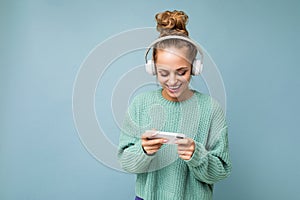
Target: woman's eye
[(182, 73), (163, 74)]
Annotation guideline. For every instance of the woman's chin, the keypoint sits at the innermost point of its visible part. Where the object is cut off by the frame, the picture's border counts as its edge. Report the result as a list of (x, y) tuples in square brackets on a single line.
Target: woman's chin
[(172, 95)]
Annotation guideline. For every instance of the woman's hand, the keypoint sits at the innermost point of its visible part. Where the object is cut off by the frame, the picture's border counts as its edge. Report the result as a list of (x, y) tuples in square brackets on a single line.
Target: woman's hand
[(185, 148), (151, 146)]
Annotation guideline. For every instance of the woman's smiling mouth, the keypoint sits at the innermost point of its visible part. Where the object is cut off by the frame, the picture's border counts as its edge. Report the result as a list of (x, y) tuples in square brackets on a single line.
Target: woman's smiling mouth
[(174, 89)]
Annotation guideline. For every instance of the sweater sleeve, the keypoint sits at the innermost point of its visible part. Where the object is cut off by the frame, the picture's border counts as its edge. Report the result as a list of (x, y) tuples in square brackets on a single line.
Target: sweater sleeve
[(211, 163), (131, 155)]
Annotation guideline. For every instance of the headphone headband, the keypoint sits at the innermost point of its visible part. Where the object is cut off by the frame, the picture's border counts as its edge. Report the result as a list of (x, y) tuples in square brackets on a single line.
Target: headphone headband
[(175, 37), (150, 63)]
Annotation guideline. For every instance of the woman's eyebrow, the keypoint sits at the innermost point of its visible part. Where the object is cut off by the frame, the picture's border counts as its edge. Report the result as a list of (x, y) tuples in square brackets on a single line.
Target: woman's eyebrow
[(162, 68), (159, 69), (167, 70), (182, 68)]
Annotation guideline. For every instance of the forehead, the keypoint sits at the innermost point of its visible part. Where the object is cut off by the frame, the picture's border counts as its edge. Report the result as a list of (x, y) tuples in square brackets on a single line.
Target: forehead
[(172, 57)]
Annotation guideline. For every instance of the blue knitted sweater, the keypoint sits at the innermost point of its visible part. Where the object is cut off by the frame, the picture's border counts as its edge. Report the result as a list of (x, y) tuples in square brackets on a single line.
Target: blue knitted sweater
[(164, 176)]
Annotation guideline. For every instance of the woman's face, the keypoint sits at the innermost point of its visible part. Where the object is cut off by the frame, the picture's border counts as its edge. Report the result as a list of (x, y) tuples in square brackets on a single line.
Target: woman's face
[(174, 73)]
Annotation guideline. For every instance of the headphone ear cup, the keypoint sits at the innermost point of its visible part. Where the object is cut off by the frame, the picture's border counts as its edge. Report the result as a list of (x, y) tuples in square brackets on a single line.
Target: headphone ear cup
[(150, 67), (197, 67)]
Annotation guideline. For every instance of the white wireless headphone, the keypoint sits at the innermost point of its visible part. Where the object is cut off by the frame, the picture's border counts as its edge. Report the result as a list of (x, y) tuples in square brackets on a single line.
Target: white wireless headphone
[(197, 64)]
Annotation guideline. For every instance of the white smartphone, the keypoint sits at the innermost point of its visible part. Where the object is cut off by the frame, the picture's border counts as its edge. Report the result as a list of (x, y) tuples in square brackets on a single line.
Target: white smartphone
[(171, 137)]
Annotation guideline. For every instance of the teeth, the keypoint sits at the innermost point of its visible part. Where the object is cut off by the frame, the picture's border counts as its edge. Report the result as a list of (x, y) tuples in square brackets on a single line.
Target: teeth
[(174, 88)]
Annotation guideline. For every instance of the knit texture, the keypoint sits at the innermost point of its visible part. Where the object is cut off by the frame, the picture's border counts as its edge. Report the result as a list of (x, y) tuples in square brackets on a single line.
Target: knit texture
[(164, 176)]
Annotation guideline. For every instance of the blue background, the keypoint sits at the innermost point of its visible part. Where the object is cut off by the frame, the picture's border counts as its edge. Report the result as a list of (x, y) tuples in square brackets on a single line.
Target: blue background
[(254, 43)]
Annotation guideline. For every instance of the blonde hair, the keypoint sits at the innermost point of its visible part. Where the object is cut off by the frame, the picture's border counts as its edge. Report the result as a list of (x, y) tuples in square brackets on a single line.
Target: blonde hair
[(173, 23)]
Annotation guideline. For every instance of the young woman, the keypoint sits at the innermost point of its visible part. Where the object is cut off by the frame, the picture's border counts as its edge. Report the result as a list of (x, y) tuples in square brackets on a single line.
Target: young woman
[(187, 169)]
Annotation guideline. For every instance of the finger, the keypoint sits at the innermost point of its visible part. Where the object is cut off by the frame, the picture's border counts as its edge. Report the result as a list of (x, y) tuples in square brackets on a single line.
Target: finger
[(151, 152), (152, 142), (185, 157), (185, 153), (185, 148), (152, 147), (184, 141), (148, 134), (182, 148)]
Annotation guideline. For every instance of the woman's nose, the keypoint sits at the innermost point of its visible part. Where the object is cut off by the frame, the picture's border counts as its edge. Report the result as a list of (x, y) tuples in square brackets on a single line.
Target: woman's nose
[(172, 79)]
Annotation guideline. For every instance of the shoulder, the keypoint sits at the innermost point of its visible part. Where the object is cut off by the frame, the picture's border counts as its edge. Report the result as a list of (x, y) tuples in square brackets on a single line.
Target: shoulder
[(209, 102), (143, 99)]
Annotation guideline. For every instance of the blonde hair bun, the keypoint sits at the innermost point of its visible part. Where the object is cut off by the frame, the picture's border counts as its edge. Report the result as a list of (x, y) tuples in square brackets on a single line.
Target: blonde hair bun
[(172, 23)]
